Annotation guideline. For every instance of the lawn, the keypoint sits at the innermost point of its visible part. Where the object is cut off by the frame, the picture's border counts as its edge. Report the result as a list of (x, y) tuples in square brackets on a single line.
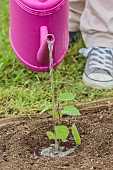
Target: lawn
[(24, 92)]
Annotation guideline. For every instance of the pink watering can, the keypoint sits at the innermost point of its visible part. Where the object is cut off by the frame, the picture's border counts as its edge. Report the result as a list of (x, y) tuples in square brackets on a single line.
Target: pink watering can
[(33, 25)]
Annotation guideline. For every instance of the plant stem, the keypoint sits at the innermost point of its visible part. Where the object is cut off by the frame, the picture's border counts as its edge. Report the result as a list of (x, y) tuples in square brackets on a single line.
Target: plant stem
[(58, 110), (56, 145), (59, 121)]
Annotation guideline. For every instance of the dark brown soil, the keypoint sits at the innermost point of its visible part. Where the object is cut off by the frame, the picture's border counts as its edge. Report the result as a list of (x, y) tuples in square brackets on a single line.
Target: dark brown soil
[(20, 137)]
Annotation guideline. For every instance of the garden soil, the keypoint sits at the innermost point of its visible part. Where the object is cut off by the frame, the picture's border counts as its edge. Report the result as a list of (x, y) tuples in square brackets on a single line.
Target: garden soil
[(21, 137)]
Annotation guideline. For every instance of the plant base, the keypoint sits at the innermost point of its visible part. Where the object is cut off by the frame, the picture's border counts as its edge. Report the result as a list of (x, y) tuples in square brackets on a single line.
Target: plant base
[(51, 152)]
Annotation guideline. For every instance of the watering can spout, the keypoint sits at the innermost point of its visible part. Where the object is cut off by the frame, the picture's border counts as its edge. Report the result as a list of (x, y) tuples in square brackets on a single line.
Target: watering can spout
[(45, 40)]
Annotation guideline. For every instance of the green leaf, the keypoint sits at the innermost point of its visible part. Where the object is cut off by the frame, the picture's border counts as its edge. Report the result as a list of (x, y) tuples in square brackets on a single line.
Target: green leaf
[(76, 134), (54, 114), (66, 96), (70, 110), (50, 135), (46, 108), (62, 132)]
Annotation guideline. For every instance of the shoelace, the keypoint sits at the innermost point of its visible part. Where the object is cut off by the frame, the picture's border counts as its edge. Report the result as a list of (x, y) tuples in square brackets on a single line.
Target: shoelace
[(101, 58)]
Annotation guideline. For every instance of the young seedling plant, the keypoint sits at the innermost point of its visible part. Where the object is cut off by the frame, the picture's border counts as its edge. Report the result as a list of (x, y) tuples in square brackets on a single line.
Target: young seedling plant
[(61, 132)]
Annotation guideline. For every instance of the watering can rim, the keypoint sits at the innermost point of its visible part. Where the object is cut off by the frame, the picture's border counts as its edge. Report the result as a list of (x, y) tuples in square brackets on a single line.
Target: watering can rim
[(41, 8)]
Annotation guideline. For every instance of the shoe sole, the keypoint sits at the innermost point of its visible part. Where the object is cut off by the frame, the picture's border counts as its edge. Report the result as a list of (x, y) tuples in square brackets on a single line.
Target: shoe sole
[(96, 84)]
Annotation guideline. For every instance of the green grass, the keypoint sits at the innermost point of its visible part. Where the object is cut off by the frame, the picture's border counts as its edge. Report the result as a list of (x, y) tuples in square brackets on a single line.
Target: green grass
[(24, 92)]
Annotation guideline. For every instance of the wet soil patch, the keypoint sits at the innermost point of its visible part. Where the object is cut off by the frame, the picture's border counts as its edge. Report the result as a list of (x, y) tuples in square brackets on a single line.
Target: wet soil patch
[(21, 137)]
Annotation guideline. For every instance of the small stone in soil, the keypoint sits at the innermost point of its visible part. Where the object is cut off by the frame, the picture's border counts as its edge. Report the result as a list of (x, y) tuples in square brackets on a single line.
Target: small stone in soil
[(5, 158), (66, 164)]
